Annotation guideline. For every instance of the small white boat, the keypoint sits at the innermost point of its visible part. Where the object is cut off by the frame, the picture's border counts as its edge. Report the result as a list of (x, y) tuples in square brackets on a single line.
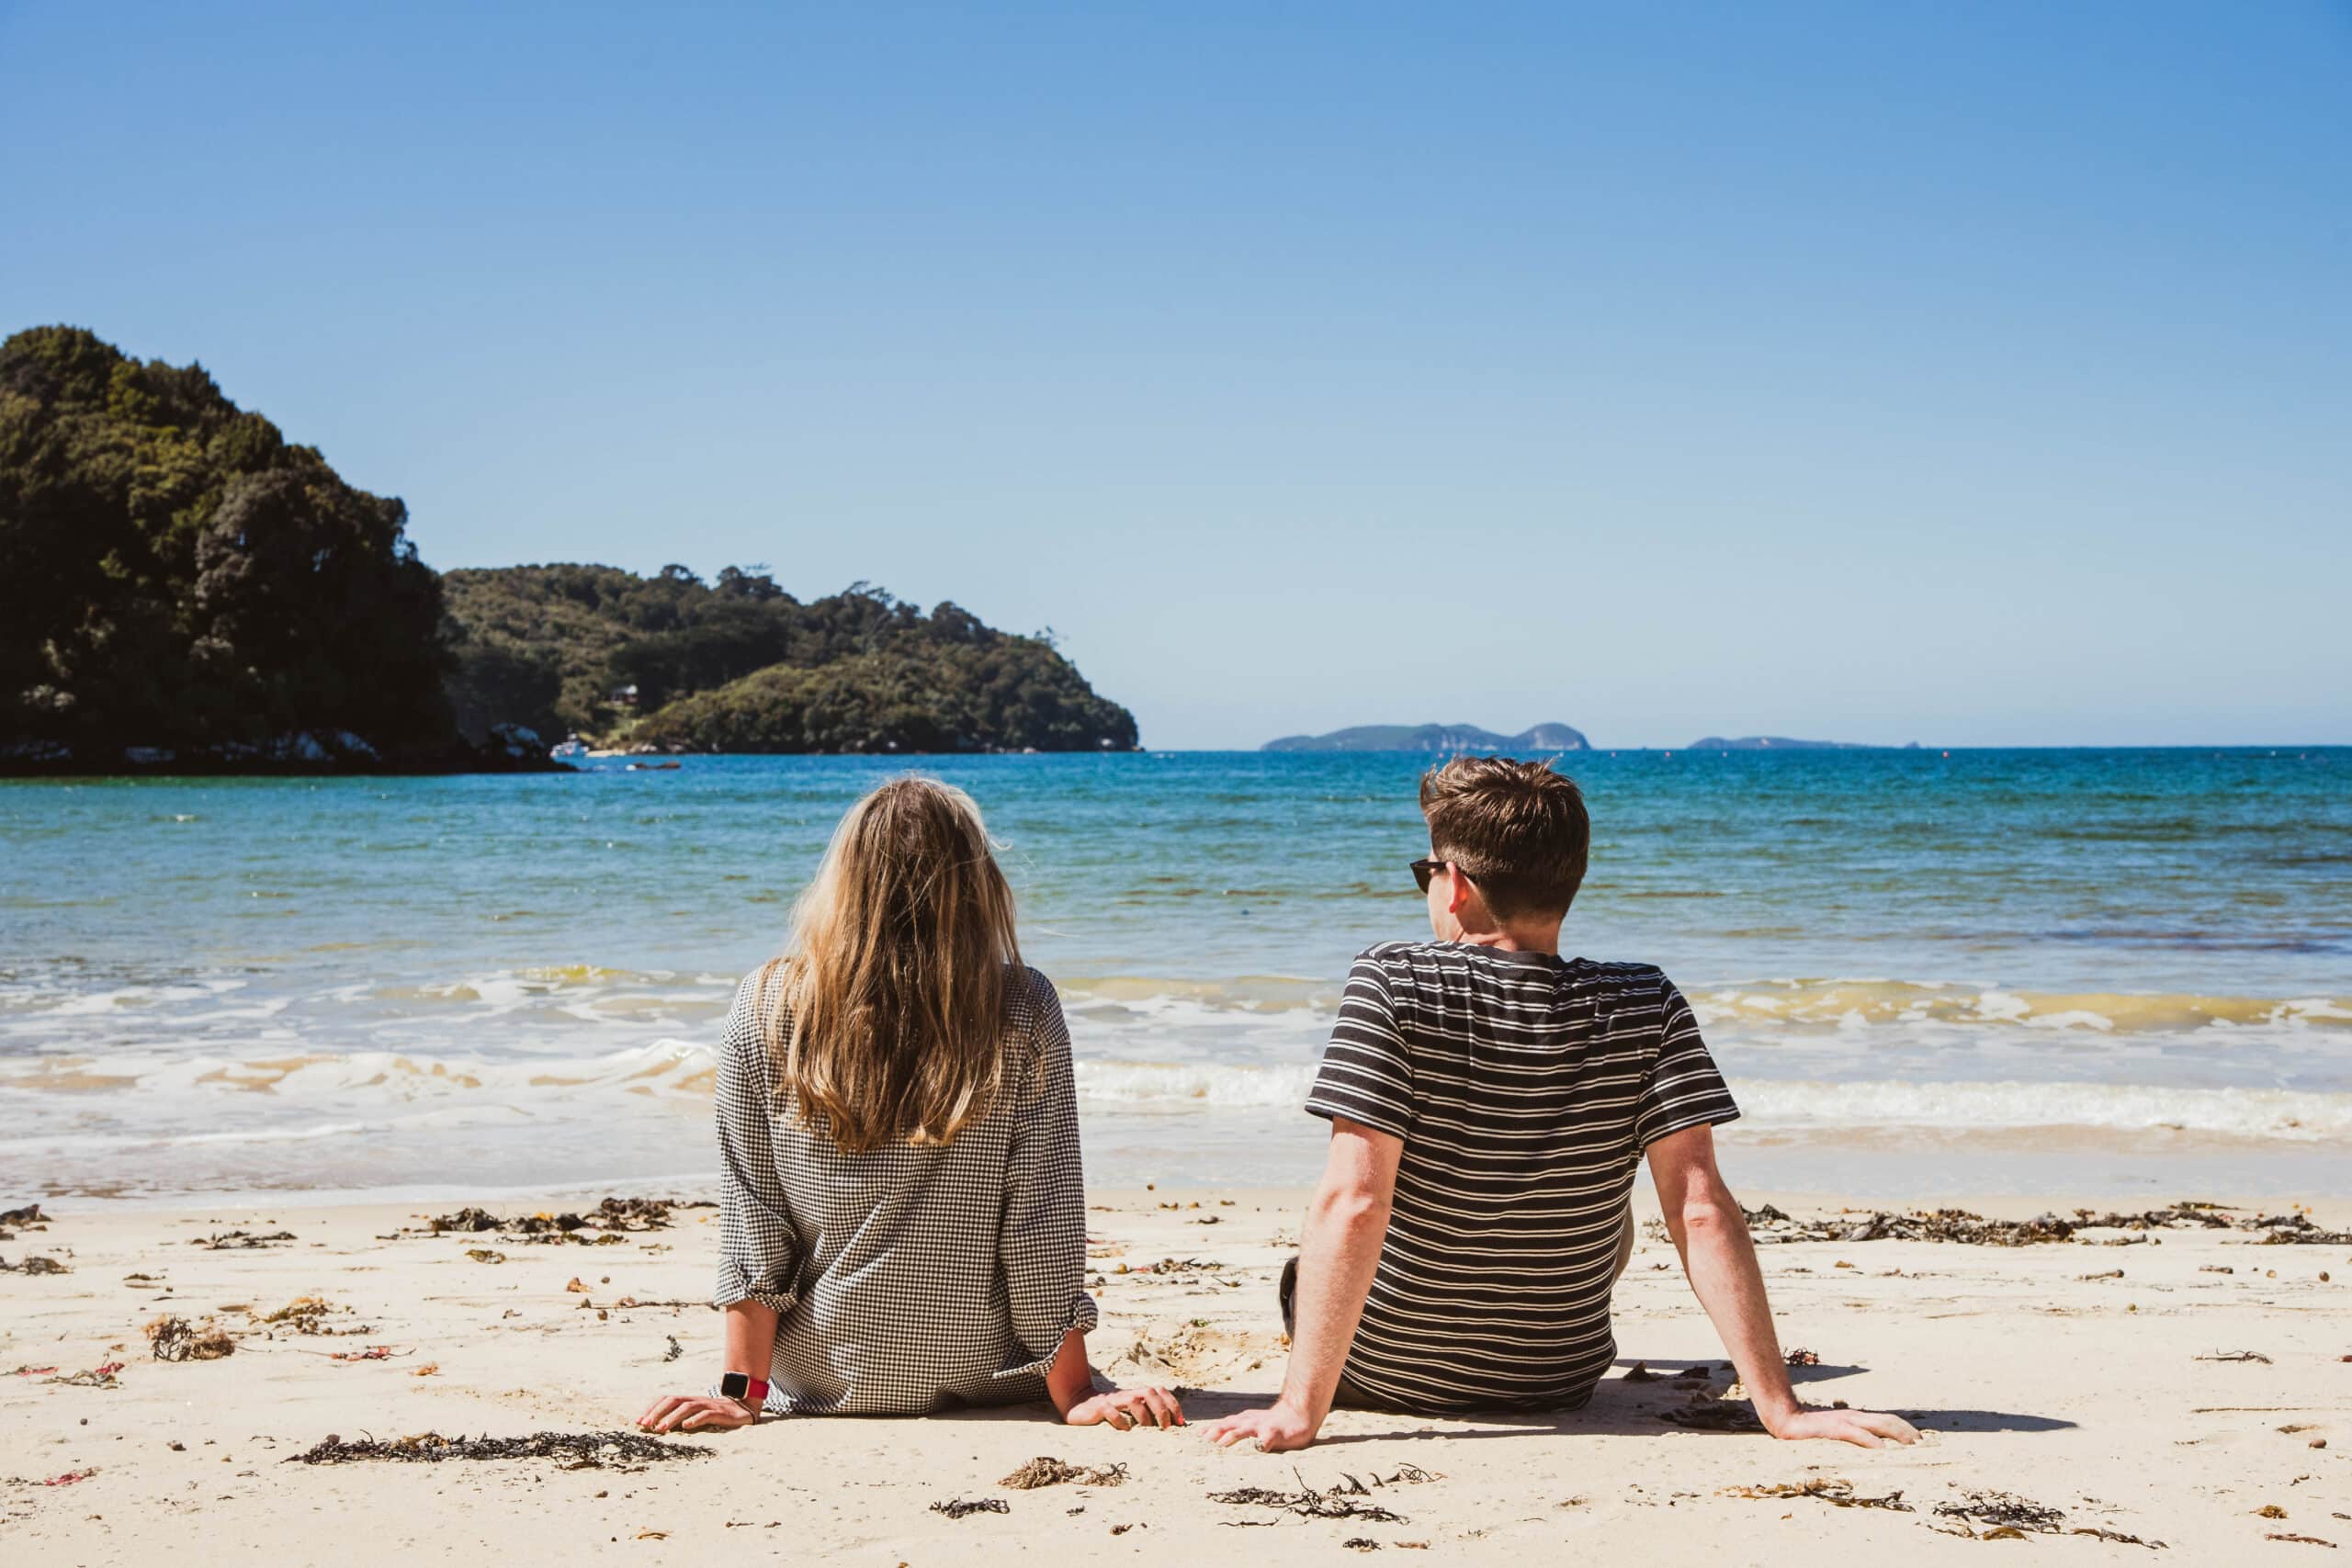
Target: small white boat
[(571, 750)]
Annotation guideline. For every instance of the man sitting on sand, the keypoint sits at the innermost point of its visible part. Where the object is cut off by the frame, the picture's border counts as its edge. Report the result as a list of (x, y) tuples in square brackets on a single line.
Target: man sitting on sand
[(1488, 1103)]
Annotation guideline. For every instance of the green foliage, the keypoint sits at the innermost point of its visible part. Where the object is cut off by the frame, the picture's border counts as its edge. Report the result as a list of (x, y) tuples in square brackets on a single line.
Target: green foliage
[(174, 575), (740, 665), (177, 575)]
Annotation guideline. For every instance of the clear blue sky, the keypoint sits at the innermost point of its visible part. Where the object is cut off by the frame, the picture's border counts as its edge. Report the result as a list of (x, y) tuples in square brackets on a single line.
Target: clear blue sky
[(1975, 373)]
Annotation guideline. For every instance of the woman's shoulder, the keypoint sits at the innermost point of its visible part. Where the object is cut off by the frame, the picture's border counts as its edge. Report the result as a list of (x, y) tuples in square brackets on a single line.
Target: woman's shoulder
[(1030, 999), (1032, 1015), (759, 999)]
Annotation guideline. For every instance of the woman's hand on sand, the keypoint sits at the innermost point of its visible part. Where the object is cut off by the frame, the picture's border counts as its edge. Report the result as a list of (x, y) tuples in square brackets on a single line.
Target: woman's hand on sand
[(1863, 1428), (1277, 1429), (696, 1412), (1124, 1408)]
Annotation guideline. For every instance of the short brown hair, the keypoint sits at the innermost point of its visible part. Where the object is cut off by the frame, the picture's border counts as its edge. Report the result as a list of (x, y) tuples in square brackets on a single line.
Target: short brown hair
[(1518, 830)]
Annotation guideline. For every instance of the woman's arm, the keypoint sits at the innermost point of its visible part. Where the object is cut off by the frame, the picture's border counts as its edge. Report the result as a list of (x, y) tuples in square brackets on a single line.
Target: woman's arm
[(759, 1257), (1070, 1384), (751, 1344), (1041, 1238)]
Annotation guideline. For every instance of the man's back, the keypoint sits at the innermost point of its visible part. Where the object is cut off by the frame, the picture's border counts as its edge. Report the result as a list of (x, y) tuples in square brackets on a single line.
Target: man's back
[(1525, 1087)]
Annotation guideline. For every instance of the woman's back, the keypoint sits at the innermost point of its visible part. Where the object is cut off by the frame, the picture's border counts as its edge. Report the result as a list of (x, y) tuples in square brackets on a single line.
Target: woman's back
[(902, 1216), (912, 1274)]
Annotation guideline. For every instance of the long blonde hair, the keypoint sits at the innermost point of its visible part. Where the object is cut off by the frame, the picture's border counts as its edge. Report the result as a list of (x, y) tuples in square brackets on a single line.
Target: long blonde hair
[(896, 987)]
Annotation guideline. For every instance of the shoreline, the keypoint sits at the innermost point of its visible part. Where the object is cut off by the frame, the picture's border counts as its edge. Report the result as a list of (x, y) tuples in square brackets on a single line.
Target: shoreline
[(2037, 1372)]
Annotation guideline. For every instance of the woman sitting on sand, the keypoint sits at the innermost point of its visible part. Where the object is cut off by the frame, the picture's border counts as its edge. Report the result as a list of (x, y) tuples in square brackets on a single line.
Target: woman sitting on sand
[(903, 1219)]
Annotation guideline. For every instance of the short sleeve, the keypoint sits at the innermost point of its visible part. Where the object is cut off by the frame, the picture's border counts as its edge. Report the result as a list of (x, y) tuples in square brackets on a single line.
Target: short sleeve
[(1684, 1088), (1367, 1071)]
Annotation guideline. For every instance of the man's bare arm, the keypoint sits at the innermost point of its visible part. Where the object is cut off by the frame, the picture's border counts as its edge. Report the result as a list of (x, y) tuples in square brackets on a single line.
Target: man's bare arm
[(1347, 1223), (1711, 1233)]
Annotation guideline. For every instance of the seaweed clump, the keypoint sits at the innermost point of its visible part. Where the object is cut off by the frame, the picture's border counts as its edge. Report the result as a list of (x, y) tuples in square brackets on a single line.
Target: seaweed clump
[(2002, 1511), (1838, 1494), (586, 1450), (175, 1339), (34, 1263), (1341, 1502), (1048, 1470), (961, 1507), (2295, 1230), (239, 1241), (608, 1219), (1770, 1225)]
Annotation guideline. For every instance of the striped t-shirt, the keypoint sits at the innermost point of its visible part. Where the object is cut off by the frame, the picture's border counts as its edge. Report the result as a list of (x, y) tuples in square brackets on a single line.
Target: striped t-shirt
[(1525, 1087)]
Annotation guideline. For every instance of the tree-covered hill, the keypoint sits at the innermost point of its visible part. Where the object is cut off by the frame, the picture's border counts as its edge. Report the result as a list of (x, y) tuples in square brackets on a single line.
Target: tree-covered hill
[(182, 588), (740, 665), (180, 582)]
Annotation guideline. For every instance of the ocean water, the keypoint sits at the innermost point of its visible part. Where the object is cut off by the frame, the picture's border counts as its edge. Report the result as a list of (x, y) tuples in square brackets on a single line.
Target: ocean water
[(2096, 972)]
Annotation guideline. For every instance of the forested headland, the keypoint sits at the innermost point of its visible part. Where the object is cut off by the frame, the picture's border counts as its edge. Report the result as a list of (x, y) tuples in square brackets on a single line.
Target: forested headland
[(737, 664), (184, 589)]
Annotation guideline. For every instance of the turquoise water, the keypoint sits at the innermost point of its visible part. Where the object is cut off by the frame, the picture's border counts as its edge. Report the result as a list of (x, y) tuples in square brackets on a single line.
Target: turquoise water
[(1988, 971)]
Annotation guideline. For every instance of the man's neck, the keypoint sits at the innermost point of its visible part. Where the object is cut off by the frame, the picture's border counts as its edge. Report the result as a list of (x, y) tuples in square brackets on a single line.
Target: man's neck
[(1546, 940)]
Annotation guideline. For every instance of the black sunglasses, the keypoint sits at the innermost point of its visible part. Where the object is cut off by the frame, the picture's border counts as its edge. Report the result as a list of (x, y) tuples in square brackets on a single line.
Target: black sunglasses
[(1425, 869)]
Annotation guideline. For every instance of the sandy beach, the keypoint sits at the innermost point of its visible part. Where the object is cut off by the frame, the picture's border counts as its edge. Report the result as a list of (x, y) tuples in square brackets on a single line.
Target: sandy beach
[(2185, 1386)]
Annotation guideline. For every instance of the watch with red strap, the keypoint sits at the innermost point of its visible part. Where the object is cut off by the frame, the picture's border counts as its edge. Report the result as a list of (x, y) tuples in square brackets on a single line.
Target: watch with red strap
[(746, 1388)]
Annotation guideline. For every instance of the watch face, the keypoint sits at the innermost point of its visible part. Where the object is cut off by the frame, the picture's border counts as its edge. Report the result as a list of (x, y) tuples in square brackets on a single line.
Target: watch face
[(735, 1385)]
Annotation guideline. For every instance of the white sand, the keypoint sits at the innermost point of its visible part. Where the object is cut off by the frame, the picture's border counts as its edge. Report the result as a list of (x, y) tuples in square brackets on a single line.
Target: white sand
[(2032, 1375)]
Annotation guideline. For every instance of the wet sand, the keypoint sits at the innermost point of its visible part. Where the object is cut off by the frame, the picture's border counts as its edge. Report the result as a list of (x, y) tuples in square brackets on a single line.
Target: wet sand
[(2119, 1401)]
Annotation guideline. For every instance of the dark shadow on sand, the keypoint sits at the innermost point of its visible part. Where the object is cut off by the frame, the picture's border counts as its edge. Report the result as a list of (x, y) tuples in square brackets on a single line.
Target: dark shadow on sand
[(1618, 1408)]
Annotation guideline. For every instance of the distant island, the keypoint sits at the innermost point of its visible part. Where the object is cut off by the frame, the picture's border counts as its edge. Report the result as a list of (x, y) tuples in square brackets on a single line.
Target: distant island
[(1446, 738), (1782, 743), (183, 589)]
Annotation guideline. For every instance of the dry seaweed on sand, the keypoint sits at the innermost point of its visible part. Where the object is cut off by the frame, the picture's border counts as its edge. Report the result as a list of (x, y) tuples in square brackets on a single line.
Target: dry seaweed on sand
[(95, 1377), (586, 1450), (1048, 1470), (1770, 1224), (1406, 1475), (2305, 1539), (609, 1218), (309, 1315), (175, 1339), (239, 1241), (2237, 1356), (2118, 1537), (2295, 1230), (1838, 1494), (961, 1507), (2003, 1510), (1802, 1358), (1339, 1503), (1941, 1225), (1172, 1265), (34, 1263)]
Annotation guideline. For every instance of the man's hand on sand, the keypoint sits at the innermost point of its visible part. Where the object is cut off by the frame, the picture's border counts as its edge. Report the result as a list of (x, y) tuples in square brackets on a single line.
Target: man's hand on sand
[(1277, 1429), (696, 1412), (1863, 1428)]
